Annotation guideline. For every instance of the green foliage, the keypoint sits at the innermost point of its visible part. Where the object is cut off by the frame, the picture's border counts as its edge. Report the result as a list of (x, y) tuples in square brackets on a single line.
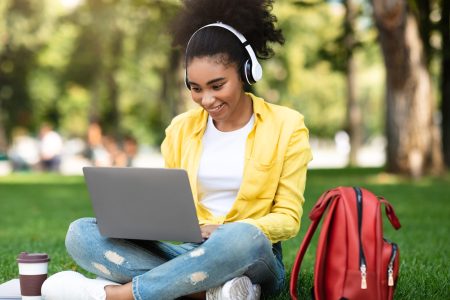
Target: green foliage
[(306, 73), (291, 78), (25, 28), (112, 61), (100, 60)]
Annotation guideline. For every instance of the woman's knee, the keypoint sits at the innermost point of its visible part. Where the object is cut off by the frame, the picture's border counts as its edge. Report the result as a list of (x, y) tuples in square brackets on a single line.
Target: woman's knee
[(245, 238), (253, 249), (79, 233)]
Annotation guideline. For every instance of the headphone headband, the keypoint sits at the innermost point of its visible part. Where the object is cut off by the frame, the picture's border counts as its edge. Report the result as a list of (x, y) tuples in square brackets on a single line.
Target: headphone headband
[(228, 27), (253, 67)]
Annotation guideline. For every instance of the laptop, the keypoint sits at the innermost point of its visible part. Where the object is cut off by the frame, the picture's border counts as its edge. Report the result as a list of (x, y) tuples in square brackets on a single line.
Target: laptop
[(143, 203)]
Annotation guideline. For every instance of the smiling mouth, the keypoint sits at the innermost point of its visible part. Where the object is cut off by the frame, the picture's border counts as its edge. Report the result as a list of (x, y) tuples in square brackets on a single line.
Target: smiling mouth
[(217, 108)]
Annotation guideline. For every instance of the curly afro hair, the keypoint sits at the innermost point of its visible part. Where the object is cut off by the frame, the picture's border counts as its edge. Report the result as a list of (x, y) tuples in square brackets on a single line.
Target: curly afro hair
[(252, 18)]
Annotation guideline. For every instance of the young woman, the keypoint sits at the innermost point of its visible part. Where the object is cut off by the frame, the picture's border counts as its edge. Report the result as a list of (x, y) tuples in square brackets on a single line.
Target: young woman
[(246, 160)]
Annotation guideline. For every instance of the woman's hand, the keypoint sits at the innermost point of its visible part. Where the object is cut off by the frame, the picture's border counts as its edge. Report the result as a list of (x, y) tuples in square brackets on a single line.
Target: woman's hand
[(207, 230)]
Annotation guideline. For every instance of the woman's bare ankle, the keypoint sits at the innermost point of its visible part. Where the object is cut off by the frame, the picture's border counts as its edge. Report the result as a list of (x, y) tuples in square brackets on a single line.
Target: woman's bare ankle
[(119, 292)]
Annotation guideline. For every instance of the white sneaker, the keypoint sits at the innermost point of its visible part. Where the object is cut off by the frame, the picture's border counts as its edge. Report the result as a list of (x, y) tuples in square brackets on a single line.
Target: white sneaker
[(239, 288), (70, 285)]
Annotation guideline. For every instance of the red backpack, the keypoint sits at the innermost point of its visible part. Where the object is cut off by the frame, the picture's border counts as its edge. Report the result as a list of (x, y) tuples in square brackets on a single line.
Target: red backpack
[(353, 260)]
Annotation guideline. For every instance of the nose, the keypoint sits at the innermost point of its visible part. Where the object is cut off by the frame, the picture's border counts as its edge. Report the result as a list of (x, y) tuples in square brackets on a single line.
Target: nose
[(207, 99)]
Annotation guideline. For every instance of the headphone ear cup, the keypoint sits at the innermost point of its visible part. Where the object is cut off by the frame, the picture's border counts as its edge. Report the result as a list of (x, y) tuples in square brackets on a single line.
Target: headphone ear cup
[(248, 72)]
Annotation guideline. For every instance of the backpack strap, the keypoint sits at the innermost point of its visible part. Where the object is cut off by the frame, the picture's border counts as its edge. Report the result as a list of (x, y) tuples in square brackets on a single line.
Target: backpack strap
[(315, 216), (390, 213)]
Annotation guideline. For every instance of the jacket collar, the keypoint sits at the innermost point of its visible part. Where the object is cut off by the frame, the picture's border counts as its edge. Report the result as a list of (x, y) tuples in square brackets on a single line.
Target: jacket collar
[(259, 107)]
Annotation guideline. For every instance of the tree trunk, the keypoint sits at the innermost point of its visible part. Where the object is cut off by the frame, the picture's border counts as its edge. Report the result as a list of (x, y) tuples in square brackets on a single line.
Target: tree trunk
[(111, 66), (112, 116), (94, 105), (170, 99), (445, 79), (3, 141), (423, 11), (353, 110), (413, 138), (172, 83)]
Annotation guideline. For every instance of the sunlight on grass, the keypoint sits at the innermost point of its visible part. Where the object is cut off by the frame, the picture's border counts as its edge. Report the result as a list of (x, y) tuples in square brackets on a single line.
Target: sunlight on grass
[(36, 178), (383, 178)]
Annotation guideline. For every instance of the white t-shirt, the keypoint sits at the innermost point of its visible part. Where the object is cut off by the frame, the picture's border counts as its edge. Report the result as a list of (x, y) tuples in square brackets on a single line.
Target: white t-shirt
[(222, 166)]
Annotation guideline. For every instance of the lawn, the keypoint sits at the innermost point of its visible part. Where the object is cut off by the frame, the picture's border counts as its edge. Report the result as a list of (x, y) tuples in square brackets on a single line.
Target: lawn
[(36, 210)]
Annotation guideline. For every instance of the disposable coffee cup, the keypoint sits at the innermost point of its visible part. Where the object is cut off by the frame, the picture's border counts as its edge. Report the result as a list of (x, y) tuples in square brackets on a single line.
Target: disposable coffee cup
[(33, 269)]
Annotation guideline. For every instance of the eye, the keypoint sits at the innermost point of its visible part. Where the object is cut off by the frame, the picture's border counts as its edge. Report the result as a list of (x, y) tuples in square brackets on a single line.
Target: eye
[(195, 89), (217, 86)]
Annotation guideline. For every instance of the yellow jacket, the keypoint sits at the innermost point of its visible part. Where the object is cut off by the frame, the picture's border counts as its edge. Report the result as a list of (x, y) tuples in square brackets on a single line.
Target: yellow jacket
[(276, 156)]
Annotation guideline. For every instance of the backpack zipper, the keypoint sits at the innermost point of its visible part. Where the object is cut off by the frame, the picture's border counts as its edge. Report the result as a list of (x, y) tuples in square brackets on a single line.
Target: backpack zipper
[(362, 258), (390, 270)]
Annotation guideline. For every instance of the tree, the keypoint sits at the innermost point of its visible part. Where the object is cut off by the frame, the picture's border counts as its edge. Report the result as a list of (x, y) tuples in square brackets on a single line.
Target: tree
[(413, 139), (429, 27), (342, 57), (354, 126), (445, 79), (291, 77), (96, 60), (122, 57), (3, 142), (24, 30)]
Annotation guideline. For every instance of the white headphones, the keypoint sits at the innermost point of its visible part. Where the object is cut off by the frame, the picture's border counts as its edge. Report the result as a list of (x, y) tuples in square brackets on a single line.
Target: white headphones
[(252, 70)]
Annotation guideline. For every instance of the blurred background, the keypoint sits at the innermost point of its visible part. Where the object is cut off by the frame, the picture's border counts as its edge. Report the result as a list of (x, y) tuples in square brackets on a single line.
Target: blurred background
[(95, 82)]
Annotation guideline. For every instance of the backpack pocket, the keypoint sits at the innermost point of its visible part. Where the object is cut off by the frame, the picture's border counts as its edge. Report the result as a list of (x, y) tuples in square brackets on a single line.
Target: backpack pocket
[(390, 266)]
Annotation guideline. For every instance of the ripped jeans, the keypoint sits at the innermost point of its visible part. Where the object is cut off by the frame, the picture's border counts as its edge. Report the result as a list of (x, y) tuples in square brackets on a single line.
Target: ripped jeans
[(161, 270)]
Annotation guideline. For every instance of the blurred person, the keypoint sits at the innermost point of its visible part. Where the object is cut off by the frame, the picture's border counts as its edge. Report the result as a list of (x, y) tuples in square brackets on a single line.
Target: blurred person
[(94, 134), (246, 160), (117, 157), (342, 141), (24, 150), (74, 156), (101, 157), (130, 148), (96, 150), (50, 148)]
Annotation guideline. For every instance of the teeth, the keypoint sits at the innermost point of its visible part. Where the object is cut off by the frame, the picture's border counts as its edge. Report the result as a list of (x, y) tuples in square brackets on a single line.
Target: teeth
[(217, 107)]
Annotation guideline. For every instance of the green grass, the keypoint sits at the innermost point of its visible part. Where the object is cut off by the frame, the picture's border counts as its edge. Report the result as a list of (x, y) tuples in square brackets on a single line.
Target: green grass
[(36, 210)]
